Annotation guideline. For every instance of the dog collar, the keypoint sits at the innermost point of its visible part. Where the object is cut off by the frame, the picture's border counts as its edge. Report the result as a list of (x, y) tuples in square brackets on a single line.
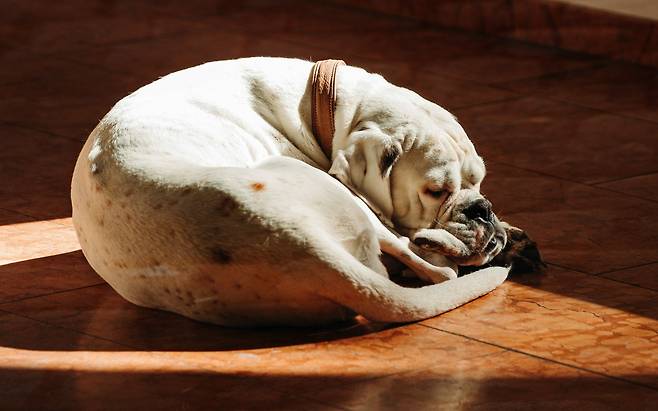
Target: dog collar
[(323, 101)]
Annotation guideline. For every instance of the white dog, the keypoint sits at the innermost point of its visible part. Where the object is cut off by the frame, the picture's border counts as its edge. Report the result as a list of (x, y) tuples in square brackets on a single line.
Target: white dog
[(207, 194)]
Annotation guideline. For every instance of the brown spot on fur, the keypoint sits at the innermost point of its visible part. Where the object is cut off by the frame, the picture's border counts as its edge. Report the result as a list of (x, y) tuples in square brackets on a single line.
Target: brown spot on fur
[(108, 202), (157, 206), (98, 187), (221, 256), (185, 192), (128, 193), (257, 186), (167, 290)]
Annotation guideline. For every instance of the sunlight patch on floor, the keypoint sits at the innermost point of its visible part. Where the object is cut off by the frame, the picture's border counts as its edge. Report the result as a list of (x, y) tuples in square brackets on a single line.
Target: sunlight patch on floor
[(36, 239)]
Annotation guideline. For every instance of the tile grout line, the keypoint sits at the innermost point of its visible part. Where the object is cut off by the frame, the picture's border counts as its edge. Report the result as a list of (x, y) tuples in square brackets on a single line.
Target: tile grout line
[(601, 274), (19, 213), (481, 35), (49, 294), (614, 180), (69, 329), (539, 357), (544, 174), (597, 64)]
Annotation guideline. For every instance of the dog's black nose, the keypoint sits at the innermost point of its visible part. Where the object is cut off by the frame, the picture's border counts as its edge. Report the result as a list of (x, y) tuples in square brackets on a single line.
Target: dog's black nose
[(480, 208)]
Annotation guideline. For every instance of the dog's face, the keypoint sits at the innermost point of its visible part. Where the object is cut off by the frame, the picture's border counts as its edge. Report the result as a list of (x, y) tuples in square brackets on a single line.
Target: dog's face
[(416, 165)]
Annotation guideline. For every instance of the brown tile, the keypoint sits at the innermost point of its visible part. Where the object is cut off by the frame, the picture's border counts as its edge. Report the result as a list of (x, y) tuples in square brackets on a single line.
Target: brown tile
[(552, 23), (619, 88), (60, 97), (645, 186), (562, 140), (645, 276), (456, 54), (448, 92), (573, 318), (149, 60), (268, 18), (60, 35), (102, 312), (95, 390), (501, 381), (8, 217), (45, 275), (19, 336), (576, 226), (36, 239), (401, 349), (37, 169)]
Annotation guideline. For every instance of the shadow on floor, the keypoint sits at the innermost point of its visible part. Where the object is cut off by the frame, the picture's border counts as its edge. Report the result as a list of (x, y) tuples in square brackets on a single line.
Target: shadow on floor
[(158, 389)]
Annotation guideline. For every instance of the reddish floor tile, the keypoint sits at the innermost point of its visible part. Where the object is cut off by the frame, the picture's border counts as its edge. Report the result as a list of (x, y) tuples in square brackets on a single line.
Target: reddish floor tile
[(620, 88), (562, 140), (456, 54), (573, 318), (149, 60), (8, 217), (35, 239), (55, 36), (37, 169), (576, 226), (100, 311), (645, 186), (502, 381), (18, 334), (448, 92), (46, 389), (645, 276), (57, 96), (45, 275)]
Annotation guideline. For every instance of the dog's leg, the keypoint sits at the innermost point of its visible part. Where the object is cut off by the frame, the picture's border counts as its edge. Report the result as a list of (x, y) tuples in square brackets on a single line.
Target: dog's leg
[(404, 250), (401, 249), (440, 241)]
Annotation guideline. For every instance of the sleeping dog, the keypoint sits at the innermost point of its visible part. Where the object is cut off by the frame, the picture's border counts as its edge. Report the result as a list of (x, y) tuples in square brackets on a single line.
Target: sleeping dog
[(206, 193)]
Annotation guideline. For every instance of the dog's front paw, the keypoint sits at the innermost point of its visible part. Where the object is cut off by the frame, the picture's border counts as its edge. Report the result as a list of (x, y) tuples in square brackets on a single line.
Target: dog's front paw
[(520, 252)]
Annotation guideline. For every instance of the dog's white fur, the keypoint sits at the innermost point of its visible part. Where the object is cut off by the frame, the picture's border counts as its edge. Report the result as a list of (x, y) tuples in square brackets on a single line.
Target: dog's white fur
[(205, 193)]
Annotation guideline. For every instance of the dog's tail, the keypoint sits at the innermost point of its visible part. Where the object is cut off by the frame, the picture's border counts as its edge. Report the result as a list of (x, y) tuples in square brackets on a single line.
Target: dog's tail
[(380, 299)]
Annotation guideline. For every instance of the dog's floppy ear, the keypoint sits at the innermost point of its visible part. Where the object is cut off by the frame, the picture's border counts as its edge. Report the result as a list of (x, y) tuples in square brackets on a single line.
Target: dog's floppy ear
[(368, 153), (340, 168)]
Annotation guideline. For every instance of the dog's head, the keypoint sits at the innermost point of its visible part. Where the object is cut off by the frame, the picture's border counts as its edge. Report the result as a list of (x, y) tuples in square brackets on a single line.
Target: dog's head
[(413, 161)]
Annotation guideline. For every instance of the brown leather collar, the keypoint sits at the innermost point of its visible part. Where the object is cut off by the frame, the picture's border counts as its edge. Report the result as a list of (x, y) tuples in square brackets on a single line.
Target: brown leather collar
[(323, 101)]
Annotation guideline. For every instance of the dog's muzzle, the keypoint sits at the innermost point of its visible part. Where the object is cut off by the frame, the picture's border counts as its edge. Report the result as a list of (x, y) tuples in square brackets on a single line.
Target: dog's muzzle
[(469, 233)]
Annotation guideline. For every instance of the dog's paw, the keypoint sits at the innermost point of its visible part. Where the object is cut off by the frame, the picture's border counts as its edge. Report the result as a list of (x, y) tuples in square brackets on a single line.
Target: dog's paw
[(520, 252)]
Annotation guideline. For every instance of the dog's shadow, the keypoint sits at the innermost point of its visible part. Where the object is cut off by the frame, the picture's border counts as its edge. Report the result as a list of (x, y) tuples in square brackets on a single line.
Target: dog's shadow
[(57, 303)]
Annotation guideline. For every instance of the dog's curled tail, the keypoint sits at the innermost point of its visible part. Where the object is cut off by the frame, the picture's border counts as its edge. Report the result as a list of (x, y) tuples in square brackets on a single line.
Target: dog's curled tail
[(380, 299)]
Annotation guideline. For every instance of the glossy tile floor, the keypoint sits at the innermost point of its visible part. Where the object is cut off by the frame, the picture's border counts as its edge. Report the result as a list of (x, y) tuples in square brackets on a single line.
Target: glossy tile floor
[(572, 150)]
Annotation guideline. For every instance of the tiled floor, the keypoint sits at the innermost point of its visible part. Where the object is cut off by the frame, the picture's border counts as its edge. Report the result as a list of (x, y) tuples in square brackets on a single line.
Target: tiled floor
[(572, 150)]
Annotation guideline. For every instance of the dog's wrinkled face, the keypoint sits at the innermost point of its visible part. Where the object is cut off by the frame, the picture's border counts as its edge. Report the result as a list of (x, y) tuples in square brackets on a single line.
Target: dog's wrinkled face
[(416, 165), (467, 232), (439, 204)]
